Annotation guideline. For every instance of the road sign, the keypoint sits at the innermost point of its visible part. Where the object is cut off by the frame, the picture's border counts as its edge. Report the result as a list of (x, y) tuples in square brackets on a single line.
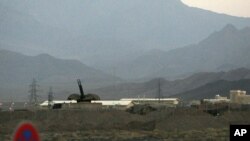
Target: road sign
[(26, 132)]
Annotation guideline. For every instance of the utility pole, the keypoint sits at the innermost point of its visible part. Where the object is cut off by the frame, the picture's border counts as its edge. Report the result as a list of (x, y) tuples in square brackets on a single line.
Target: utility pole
[(159, 90), (50, 98), (33, 92)]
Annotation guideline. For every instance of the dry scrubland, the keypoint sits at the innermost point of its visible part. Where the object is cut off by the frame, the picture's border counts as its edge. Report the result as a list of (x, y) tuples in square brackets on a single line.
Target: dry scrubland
[(168, 125)]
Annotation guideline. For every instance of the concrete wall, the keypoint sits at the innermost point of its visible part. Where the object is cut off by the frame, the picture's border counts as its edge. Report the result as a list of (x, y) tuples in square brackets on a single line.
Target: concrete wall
[(239, 97), (244, 99), (83, 105), (94, 106), (173, 102)]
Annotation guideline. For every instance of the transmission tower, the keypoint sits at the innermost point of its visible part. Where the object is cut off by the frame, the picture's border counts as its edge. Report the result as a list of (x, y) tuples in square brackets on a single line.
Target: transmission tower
[(33, 92), (50, 97)]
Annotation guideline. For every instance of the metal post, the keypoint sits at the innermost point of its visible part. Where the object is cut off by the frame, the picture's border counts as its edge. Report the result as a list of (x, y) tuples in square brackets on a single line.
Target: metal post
[(50, 98), (159, 90)]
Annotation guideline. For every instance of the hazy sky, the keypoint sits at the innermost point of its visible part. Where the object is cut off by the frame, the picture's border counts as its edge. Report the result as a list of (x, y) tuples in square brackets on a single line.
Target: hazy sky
[(231, 7)]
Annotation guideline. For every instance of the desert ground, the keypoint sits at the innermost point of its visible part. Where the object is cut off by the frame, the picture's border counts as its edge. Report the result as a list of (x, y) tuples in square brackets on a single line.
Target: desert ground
[(171, 124)]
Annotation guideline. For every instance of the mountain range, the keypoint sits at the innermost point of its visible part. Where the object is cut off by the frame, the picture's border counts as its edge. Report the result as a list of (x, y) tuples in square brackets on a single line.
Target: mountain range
[(145, 43), (172, 88), (103, 34), (18, 70), (223, 50), (221, 87)]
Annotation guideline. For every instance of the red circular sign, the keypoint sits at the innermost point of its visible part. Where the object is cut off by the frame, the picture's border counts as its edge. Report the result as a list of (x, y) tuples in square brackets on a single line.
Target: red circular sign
[(26, 132)]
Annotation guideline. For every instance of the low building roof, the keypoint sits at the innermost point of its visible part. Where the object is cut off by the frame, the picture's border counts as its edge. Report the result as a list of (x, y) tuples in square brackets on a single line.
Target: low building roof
[(46, 103), (216, 100), (149, 99), (112, 102)]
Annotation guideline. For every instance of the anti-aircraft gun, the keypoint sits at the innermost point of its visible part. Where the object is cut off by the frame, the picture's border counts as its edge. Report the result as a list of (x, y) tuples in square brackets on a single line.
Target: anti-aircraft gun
[(82, 97)]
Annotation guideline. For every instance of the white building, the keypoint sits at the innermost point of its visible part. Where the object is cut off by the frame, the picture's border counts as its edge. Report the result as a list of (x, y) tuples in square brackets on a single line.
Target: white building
[(239, 97), (108, 103), (168, 101), (46, 103), (217, 99)]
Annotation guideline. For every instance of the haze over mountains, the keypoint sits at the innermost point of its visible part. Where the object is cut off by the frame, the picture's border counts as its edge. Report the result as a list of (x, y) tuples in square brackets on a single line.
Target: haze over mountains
[(178, 87), (221, 87), (103, 34), (119, 41), (226, 49), (17, 72)]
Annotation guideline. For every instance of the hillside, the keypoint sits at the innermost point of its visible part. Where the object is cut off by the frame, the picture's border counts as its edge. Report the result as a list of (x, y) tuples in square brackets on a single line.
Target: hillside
[(105, 33), (168, 88), (223, 50), (209, 90), (17, 72)]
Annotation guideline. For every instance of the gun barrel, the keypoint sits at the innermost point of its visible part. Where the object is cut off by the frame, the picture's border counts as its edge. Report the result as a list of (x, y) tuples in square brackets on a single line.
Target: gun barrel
[(80, 88)]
